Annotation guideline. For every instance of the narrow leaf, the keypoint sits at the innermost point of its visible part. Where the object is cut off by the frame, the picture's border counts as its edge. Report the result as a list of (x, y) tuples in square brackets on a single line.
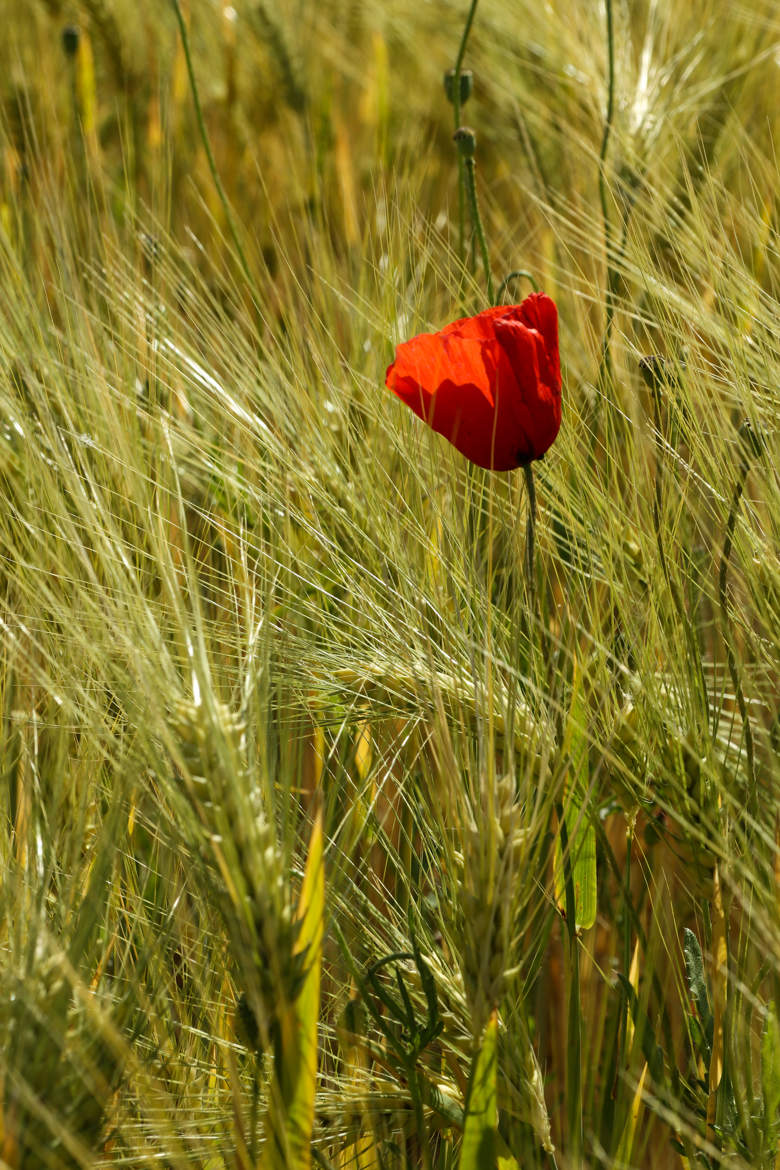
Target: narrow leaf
[(770, 1069), (697, 985), (478, 1151), (623, 1155), (292, 1109), (87, 92)]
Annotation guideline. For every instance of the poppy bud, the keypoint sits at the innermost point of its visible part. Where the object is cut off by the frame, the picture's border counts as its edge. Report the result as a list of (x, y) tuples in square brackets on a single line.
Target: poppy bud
[(466, 85), (70, 40), (466, 141)]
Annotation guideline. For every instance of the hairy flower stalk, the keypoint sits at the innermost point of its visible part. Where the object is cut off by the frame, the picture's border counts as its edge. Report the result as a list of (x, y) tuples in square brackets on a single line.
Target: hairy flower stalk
[(466, 141), (457, 86)]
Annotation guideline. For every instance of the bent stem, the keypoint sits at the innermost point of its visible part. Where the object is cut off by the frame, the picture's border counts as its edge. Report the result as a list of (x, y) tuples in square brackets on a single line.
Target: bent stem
[(731, 657), (516, 274)]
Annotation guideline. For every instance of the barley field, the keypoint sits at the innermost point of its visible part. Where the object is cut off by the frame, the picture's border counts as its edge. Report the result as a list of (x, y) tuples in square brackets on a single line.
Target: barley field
[(363, 808)]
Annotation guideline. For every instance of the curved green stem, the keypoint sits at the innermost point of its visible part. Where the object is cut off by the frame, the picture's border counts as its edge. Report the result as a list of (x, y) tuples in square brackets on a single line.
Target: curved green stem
[(515, 274)]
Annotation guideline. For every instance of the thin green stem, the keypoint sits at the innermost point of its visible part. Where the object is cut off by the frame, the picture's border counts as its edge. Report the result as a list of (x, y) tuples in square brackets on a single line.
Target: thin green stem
[(618, 1023), (419, 1115), (461, 210), (574, 1030), (530, 529), (539, 647), (471, 191), (731, 656), (606, 356), (610, 83), (459, 61), (456, 115), (516, 274), (207, 146)]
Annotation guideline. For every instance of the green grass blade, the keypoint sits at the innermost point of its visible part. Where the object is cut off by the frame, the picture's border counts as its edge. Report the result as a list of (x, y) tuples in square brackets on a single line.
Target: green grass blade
[(292, 1110), (478, 1151), (770, 1072)]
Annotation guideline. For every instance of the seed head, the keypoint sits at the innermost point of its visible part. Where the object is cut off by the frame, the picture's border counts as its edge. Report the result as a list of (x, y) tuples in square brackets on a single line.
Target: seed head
[(466, 141), (466, 85)]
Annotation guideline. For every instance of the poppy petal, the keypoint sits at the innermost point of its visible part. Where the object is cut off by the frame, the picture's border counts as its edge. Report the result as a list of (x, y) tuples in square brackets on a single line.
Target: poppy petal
[(479, 326), (538, 311), (449, 382), (518, 378), (423, 364), (490, 383)]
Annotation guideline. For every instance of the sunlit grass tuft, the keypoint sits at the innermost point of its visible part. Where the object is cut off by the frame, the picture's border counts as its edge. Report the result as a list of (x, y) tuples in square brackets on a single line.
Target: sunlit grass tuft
[(242, 586)]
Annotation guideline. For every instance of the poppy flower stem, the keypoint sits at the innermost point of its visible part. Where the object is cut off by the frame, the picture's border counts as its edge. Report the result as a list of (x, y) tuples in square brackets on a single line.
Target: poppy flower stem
[(456, 104), (471, 190), (530, 529), (466, 141), (516, 274)]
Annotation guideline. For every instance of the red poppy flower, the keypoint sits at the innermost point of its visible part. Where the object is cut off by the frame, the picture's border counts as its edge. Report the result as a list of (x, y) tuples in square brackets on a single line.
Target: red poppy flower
[(491, 384)]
